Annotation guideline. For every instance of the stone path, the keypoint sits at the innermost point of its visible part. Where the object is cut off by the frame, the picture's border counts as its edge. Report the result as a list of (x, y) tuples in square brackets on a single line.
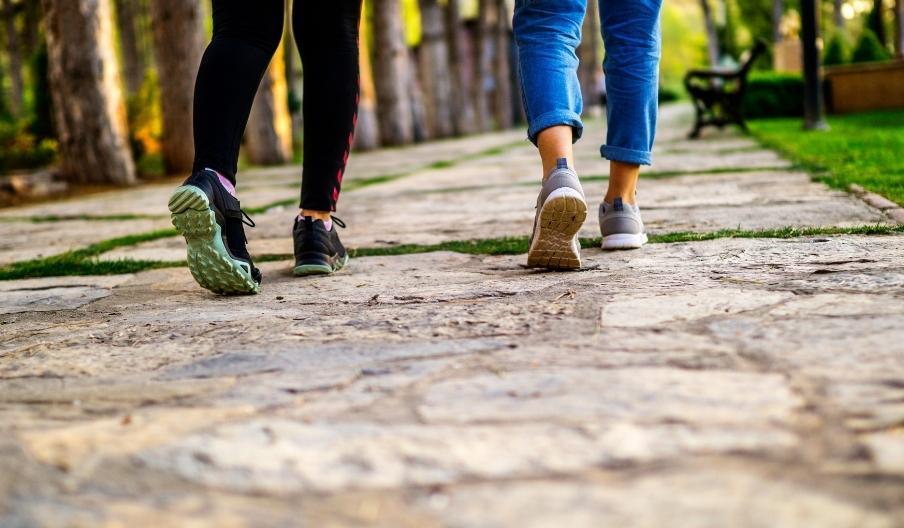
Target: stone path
[(730, 382)]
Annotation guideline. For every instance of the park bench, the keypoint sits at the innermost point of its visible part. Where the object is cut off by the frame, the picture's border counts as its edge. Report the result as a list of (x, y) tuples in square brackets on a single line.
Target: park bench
[(718, 94)]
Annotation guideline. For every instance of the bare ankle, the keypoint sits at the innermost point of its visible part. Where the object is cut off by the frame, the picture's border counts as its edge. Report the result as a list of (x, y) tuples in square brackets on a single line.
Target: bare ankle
[(316, 215)]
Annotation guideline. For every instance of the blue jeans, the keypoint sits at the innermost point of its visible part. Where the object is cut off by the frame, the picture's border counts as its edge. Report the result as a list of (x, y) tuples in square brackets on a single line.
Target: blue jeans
[(548, 33)]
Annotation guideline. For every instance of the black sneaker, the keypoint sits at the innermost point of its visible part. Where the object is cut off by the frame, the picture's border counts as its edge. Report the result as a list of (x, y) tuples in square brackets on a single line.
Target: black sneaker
[(317, 251), (211, 220)]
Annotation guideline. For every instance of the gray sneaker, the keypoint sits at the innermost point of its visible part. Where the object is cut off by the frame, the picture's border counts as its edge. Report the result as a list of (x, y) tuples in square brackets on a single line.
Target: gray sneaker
[(621, 226), (561, 210)]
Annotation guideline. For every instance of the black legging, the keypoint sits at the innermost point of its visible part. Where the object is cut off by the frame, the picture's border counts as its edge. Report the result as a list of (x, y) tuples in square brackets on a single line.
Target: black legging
[(245, 36)]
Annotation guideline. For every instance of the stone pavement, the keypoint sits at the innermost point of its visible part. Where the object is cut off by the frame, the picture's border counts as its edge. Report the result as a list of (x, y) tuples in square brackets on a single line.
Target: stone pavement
[(730, 382)]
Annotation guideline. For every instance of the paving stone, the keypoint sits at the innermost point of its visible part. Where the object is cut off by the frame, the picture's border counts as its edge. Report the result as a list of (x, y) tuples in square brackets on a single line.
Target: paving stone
[(54, 294), (732, 382), (642, 394), (281, 457), (698, 499)]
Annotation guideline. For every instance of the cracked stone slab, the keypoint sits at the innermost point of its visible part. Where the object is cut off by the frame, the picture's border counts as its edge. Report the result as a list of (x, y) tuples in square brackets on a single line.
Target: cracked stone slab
[(689, 498), (641, 394), (55, 293), (282, 457)]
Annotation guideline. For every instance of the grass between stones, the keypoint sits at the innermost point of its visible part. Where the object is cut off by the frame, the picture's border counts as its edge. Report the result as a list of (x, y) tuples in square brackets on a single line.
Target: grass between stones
[(863, 149), (82, 261)]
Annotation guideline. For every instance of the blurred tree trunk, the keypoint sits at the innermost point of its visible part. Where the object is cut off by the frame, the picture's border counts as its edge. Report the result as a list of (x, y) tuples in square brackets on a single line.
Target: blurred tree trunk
[(178, 44), (367, 130), (876, 22), (416, 97), (590, 68), (434, 70), (85, 87), (391, 66), (14, 52), (482, 66), (268, 135), (133, 63), (712, 38), (837, 15), (778, 10), (502, 88), (30, 27), (899, 28), (462, 107)]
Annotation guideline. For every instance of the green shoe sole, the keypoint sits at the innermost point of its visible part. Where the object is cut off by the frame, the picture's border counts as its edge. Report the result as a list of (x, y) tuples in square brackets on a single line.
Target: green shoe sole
[(320, 269), (209, 261)]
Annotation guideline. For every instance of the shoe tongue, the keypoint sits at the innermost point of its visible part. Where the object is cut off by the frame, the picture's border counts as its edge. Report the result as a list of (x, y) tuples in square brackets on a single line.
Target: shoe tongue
[(618, 205)]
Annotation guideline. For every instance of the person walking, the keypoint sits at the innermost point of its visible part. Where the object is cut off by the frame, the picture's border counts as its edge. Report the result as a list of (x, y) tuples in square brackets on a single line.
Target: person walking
[(548, 33), (205, 209)]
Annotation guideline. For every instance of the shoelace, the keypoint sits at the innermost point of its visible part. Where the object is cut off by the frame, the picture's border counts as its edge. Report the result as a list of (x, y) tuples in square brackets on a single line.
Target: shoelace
[(250, 222)]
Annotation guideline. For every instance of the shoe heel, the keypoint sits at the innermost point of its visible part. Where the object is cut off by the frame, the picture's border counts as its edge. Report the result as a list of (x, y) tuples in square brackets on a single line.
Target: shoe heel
[(561, 217)]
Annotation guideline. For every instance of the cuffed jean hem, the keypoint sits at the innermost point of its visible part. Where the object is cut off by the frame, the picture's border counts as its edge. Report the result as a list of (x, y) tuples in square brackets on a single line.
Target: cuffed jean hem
[(556, 118), (624, 155)]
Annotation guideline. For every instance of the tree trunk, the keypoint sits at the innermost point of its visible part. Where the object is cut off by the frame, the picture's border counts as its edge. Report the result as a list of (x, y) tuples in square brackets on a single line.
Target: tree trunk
[(502, 88), (416, 96), (85, 87), (837, 15), (462, 107), (391, 75), (367, 130), (899, 28), (778, 10), (268, 135), (712, 38), (178, 44), (876, 22), (434, 70), (30, 30), (590, 69), (14, 52), (482, 66), (133, 64)]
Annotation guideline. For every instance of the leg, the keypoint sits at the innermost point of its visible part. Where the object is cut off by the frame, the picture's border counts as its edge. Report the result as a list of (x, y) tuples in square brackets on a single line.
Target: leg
[(631, 33), (327, 37), (548, 33), (245, 36), (204, 209)]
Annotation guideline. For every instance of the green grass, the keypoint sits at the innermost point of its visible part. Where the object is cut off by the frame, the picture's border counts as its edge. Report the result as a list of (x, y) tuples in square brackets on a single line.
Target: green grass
[(40, 219), (864, 149), (82, 261)]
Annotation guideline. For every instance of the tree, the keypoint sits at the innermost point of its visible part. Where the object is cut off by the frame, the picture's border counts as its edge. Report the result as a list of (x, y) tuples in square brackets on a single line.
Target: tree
[(435, 72), (590, 69), (502, 87), (462, 104), (778, 9), (85, 88), (268, 135), (875, 22), (837, 14), (129, 14), (394, 111), (178, 33), (14, 52), (367, 130), (712, 38), (899, 28), (481, 65)]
